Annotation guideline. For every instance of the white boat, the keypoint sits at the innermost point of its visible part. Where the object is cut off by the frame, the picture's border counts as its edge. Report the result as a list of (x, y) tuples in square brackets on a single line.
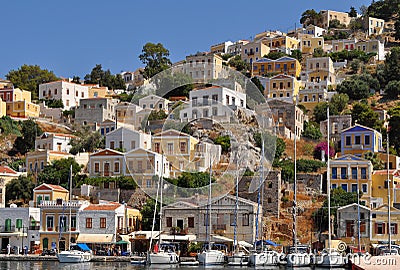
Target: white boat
[(163, 253), (266, 258), (298, 256), (212, 255), (238, 258), (331, 258), (74, 256)]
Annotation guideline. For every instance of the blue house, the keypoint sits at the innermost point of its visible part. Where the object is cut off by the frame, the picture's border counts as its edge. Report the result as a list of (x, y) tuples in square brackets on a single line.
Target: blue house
[(359, 139)]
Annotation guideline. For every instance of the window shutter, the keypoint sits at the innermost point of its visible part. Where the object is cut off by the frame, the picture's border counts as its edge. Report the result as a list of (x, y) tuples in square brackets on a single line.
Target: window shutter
[(383, 228), (376, 228), (395, 228)]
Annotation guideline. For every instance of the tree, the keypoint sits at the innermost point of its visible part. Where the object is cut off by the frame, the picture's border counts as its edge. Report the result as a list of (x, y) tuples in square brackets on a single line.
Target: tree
[(391, 69), (392, 89), (9, 126), (321, 109), (335, 24), (147, 213), (193, 179), (363, 114), (170, 83), (353, 12), (20, 189), (356, 89), (58, 172), (259, 85), (224, 141), (272, 144), (339, 198), (309, 16), (86, 141), (397, 30), (105, 78), (297, 54), (28, 77), (323, 147), (394, 127), (155, 57), (157, 115), (275, 55), (26, 142), (238, 63), (311, 131), (338, 103), (377, 163), (318, 52), (76, 79)]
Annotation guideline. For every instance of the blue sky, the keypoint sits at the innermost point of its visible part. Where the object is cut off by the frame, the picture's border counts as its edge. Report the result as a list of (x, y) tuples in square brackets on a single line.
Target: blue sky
[(71, 37)]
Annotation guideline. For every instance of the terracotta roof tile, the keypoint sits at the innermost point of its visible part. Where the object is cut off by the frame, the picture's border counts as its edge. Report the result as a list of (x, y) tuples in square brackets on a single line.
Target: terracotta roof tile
[(7, 170), (102, 207)]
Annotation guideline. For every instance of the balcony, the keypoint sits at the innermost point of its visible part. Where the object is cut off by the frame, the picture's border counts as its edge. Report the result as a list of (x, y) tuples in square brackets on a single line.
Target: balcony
[(7, 229), (250, 53), (357, 147), (219, 227), (60, 204), (34, 228)]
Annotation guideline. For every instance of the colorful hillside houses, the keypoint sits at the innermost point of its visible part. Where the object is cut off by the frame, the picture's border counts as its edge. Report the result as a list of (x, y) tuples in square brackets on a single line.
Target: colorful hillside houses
[(358, 139)]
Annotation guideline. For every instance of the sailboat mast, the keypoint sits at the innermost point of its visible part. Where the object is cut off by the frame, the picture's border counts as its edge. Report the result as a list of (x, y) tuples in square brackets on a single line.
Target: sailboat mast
[(161, 194), (262, 193), (389, 204), (235, 243), (209, 206), (70, 206), (328, 184), (154, 215), (295, 187)]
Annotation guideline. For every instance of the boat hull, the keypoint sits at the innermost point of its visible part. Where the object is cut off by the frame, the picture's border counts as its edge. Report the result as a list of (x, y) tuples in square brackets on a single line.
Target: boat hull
[(264, 258), (211, 257), (238, 260), (74, 257), (163, 258), (331, 260), (298, 259)]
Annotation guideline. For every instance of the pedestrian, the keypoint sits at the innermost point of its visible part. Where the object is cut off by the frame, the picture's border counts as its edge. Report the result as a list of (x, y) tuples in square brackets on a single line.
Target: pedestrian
[(25, 250), (8, 249)]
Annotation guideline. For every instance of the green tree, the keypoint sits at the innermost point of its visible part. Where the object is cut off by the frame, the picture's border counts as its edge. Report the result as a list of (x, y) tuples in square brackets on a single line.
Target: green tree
[(356, 89), (397, 30), (156, 59), (363, 114), (338, 103), (321, 109), (147, 213), (353, 12), (297, 54), (272, 145), (26, 142), (193, 179), (392, 89), (318, 52), (391, 68), (237, 63), (168, 81), (9, 126), (377, 163), (225, 142), (259, 85), (339, 198), (86, 141), (311, 131), (29, 77), (58, 172), (20, 189), (394, 127), (157, 115), (275, 55), (105, 78), (76, 79), (335, 24), (310, 16)]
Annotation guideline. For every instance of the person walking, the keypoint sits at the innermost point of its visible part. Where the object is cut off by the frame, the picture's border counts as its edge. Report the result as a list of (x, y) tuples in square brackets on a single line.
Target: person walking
[(8, 249)]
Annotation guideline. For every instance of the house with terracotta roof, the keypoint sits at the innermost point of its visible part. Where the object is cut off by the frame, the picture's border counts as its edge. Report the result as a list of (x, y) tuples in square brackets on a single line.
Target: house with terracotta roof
[(284, 65), (36, 160), (281, 87), (58, 216), (127, 139), (106, 163), (358, 139), (380, 185), (6, 175)]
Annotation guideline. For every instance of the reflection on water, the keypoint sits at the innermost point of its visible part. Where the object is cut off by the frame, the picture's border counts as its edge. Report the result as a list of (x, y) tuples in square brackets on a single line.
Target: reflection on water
[(52, 265)]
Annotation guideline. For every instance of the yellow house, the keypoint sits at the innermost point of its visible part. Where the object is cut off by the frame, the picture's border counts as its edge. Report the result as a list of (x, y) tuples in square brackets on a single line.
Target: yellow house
[(253, 51), (106, 163), (203, 66), (36, 160), (178, 147), (379, 224), (282, 86), (394, 161), (3, 108), (284, 65), (380, 185), (22, 109), (329, 15), (309, 98), (358, 139), (309, 43), (55, 208), (282, 43), (352, 173), (96, 91)]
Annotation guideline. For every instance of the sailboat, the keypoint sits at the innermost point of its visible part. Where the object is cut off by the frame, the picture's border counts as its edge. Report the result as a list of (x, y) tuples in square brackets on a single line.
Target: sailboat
[(261, 255), (238, 257), (330, 256), (298, 255), (211, 254), (75, 253), (163, 253)]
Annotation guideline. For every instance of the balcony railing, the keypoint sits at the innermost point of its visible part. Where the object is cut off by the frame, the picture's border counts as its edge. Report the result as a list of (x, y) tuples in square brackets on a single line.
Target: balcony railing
[(8, 229), (34, 228), (60, 204)]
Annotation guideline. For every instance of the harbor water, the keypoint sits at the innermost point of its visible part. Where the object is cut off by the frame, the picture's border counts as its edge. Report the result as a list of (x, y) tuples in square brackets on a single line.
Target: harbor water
[(53, 265)]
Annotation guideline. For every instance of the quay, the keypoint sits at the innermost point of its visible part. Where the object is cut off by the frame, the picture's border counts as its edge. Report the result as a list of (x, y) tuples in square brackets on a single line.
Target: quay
[(377, 263)]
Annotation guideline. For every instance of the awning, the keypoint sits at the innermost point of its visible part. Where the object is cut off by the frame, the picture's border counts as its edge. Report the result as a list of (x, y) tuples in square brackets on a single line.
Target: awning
[(125, 238), (219, 238), (95, 238), (16, 234), (121, 242), (144, 235), (168, 237), (84, 247), (245, 244)]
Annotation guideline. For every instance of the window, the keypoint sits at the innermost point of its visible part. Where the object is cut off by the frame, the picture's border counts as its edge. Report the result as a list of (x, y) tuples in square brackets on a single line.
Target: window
[(353, 187), (169, 221), (112, 144), (82, 94), (334, 186), (214, 111), (353, 173), (205, 100), (103, 222), (366, 140), (157, 147), (357, 139), (73, 223), (63, 223), (205, 113), (380, 228), (343, 173), (214, 99), (245, 220), (76, 93), (133, 144), (364, 188), (194, 101), (348, 140), (49, 223), (116, 167), (363, 173), (183, 147), (274, 85), (89, 223), (170, 148), (191, 222), (393, 228), (232, 219), (140, 166), (206, 219), (227, 100), (344, 187)]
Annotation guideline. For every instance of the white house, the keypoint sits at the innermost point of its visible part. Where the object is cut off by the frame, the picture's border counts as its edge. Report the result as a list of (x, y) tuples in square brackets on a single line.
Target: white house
[(154, 102), (54, 141), (213, 102), (70, 93), (127, 139)]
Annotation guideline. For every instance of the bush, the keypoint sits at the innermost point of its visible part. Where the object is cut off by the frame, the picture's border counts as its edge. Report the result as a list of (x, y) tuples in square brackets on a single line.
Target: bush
[(311, 131), (225, 142), (323, 146)]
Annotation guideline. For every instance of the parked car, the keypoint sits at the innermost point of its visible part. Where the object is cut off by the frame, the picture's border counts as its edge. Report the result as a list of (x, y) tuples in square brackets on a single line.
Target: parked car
[(51, 252)]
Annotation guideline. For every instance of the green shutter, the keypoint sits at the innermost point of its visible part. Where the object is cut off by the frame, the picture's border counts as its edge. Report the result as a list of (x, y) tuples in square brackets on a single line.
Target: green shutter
[(19, 223), (8, 225)]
